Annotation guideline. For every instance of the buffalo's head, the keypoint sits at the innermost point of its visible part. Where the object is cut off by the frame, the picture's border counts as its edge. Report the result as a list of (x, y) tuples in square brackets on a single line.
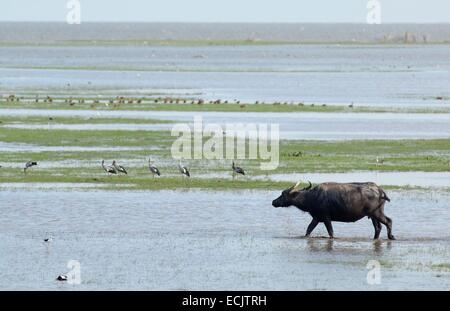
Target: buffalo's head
[(287, 197)]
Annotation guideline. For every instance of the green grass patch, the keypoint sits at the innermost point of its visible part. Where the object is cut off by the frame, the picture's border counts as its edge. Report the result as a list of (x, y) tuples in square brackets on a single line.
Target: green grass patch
[(441, 266), (295, 157)]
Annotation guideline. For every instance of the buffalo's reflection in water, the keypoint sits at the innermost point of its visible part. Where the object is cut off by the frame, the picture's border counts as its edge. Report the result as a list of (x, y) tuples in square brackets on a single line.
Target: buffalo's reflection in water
[(379, 246), (316, 245), (329, 245)]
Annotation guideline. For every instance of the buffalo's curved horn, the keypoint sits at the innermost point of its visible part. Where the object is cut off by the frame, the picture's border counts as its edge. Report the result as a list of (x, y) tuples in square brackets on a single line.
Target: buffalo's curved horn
[(309, 186), (295, 187)]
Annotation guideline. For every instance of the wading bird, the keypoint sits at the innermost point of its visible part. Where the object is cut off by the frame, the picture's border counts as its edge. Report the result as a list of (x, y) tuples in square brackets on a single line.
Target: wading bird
[(109, 169), (237, 170), (153, 169), (62, 278), (119, 168), (183, 169), (28, 165)]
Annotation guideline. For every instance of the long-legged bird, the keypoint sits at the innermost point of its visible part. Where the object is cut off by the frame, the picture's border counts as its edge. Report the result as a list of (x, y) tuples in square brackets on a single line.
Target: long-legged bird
[(153, 169), (119, 168), (28, 165), (237, 169), (183, 169), (109, 169)]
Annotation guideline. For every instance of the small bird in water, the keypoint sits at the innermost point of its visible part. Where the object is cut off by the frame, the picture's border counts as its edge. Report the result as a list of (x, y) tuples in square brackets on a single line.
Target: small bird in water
[(119, 168), (62, 278), (28, 165), (237, 169), (153, 169), (109, 169), (48, 240), (183, 169)]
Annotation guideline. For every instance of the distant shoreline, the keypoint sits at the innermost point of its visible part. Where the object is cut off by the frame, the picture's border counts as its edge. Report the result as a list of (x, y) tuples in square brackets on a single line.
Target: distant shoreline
[(204, 43), (222, 33)]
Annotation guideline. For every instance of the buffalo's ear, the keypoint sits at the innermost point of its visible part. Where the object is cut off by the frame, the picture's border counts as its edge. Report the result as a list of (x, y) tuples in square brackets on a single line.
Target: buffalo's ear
[(294, 191), (294, 194)]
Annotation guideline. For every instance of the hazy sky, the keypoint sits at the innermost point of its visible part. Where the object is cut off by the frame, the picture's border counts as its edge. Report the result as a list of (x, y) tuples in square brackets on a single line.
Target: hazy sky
[(392, 11)]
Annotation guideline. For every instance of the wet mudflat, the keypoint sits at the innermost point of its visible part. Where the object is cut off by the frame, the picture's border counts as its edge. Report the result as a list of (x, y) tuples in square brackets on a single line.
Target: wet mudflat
[(213, 240)]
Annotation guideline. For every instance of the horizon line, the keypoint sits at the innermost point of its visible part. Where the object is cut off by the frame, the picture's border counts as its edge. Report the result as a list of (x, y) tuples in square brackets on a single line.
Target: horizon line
[(234, 22)]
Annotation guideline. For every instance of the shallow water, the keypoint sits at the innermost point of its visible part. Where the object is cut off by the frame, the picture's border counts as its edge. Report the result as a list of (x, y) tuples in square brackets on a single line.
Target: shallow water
[(399, 76), (50, 185), (94, 127), (418, 179), (308, 125), (196, 240), (19, 147)]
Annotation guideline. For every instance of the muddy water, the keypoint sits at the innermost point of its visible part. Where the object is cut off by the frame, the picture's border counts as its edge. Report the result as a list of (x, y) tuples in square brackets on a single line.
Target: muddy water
[(213, 240)]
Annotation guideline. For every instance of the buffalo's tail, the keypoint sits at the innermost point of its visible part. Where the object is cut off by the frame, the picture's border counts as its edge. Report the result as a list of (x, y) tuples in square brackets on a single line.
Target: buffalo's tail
[(383, 196)]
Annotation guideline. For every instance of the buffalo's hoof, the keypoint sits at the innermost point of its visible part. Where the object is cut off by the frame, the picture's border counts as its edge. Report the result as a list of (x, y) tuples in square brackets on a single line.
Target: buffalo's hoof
[(391, 237)]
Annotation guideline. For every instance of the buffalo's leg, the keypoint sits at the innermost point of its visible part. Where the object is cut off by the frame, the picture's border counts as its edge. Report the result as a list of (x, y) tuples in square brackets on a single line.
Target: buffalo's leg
[(377, 227), (389, 228), (311, 226), (329, 228), (387, 222)]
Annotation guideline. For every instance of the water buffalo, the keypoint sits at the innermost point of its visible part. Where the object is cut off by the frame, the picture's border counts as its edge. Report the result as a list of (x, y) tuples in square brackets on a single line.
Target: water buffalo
[(345, 202)]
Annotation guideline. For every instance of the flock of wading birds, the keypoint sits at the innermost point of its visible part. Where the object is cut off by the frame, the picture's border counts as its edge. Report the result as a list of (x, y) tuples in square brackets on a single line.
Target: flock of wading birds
[(116, 169), (120, 100)]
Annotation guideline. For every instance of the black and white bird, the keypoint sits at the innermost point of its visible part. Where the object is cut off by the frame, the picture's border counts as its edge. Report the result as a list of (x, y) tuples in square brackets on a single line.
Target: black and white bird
[(109, 169), (62, 278), (237, 169), (119, 168), (28, 165), (153, 169), (48, 240), (183, 169)]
